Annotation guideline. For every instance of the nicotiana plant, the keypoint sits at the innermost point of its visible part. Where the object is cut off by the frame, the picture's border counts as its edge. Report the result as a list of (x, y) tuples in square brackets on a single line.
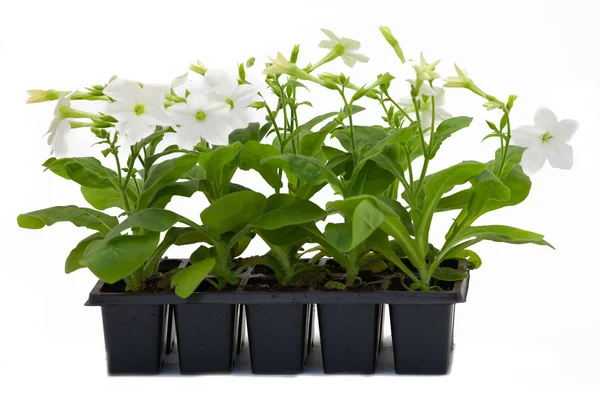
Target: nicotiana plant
[(194, 134)]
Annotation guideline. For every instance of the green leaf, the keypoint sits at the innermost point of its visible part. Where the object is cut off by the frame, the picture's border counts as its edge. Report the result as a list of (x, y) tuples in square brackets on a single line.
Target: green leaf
[(311, 143), (188, 279), (473, 259), (251, 156), (435, 186), (366, 219), (163, 196), (400, 211), (284, 210), (286, 236), (493, 135), (339, 235), (367, 136), (202, 253), (371, 179), (233, 211), (78, 216), (252, 132), (392, 224), (486, 187), (445, 130), (101, 199), (113, 259), (308, 169), (73, 261), (86, 171), (152, 219), (220, 165), (502, 233), (449, 274), (163, 174)]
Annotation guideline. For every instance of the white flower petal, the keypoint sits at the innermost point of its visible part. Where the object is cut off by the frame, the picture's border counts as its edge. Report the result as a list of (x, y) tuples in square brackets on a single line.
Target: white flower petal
[(560, 154), (156, 116), (441, 114), (331, 35), (350, 44), (118, 107), (526, 135), (425, 89), (545, 119), (357, 56), (327, 44), (114, 88), (565, 129), (349, 61), (180, 80), (534, 158), (188, 136)]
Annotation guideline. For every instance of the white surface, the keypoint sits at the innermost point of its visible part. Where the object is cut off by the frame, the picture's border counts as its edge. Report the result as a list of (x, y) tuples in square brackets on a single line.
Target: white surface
[(531, 327)]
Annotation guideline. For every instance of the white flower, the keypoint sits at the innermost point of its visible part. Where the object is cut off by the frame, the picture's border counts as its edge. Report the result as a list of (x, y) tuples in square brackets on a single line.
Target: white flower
[(236, 97), (203, 115), (180, 80), (462, 79), (546, 140), (59, 127), (425, 112), (138, 110), (426, 71), (280, 65), (350, 46), (440, 113)]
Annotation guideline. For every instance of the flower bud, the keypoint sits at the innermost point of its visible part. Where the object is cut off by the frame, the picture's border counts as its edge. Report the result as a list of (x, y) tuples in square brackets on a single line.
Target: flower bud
[(198, 68), (250, 62), (40, 96), (294, 55), (387, 34)]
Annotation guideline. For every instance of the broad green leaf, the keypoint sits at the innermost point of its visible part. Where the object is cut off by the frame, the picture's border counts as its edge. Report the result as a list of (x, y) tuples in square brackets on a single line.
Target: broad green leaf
[(513, 157), (486, 186), (233, 211), (113, 259), (220, 165), (455, 201), (251, 155), (364, 136), (371, 179), (473, 259), (242, 244), (339, 235), (152, 219), (435, 186), (308, 169), (86, 171), (163, 174), (201, 254), (163, 196), (286, 236), (334, 285), (101, 199), (78, 216), (252, 132), (392, 224), (445, 129), (366, 219), (310, 144), (336, 164), (449, 274), (401, 212), (291, 211), (189, 278), (73, 262), (331, 152), (502, 233)]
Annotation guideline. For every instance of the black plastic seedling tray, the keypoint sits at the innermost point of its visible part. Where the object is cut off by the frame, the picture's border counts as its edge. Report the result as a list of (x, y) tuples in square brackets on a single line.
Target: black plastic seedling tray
[(209, 326)]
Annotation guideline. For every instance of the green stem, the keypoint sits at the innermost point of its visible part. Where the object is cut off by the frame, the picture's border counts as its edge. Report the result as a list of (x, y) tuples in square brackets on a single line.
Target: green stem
[(351, 123), (506, 146), (399, 108)]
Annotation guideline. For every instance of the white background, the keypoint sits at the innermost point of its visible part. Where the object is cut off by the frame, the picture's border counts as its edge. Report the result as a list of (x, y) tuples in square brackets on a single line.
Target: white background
[(531, 326)]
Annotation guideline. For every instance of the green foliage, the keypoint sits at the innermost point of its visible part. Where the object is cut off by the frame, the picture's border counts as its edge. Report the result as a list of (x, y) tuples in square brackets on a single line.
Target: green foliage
[(188, 279), (78, 216)]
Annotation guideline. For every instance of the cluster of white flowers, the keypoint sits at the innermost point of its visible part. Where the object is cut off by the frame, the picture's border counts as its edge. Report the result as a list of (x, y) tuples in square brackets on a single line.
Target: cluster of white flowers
[(208, 108)]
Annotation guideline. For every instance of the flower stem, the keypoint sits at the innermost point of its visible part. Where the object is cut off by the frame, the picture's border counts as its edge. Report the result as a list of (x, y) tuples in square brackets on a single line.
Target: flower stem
[(351, 123)]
